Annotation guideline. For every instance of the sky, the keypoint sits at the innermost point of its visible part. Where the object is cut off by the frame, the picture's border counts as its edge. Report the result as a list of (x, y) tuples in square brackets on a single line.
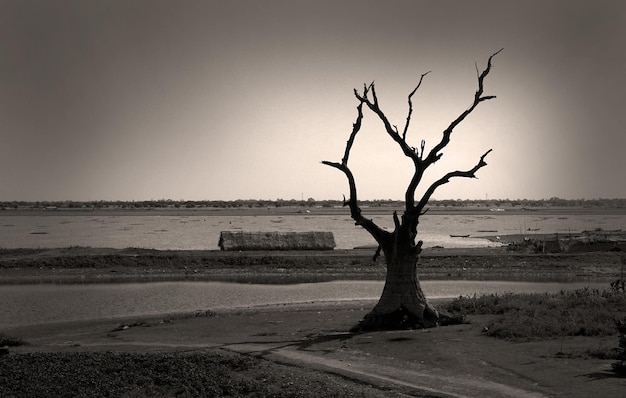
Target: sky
[(243, 99)]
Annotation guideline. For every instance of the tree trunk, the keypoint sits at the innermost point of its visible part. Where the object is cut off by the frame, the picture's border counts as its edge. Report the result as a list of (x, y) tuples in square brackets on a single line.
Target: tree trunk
[(403, 303)]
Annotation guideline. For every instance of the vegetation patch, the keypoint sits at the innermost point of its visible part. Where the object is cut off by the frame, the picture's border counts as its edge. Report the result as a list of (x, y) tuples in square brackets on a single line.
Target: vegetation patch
[(582, 312), (10, 341), (206, 374)]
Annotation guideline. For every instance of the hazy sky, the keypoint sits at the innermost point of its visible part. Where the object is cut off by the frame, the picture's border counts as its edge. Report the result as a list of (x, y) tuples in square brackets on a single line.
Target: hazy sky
[(150, 99)]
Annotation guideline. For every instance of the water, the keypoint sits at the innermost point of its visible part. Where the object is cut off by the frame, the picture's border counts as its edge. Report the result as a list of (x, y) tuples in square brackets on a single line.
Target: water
[(34, 304), (201, 232), (38, 304)]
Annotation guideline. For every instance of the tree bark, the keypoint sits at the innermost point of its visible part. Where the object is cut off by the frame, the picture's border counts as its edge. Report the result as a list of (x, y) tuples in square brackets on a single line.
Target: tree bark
[(402, 304)]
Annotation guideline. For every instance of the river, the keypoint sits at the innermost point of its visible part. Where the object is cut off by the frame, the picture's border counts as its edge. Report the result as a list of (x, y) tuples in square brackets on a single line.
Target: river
[(47, 303), (201, 232)]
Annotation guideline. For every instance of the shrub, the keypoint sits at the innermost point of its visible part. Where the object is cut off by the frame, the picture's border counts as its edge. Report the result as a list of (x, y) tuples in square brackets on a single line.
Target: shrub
[(582, 312)]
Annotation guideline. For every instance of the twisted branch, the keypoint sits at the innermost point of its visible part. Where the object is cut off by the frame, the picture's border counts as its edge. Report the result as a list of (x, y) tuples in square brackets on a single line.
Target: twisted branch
[(446, 178), (434, 154), (408, 117), (391, 131), (355, 211)]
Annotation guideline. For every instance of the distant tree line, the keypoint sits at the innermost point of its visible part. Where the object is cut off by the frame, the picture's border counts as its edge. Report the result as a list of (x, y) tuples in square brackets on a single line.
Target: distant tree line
[(310, 202)]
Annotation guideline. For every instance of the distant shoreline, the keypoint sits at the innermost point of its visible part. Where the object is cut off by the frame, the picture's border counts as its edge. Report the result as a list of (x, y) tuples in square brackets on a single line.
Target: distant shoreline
[(307, 211)]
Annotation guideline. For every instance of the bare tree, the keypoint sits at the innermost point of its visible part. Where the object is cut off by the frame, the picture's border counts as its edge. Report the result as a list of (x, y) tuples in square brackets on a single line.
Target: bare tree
[(402, 303)]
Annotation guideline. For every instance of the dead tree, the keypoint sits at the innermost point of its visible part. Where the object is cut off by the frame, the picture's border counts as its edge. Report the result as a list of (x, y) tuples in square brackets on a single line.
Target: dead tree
[(402, 303)]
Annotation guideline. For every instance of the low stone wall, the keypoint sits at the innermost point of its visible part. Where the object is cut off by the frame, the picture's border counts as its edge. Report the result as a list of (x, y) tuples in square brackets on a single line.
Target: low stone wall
[(238, 240)]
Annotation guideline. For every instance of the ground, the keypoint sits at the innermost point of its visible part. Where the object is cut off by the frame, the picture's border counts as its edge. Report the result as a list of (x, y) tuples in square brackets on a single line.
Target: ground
[(447, 361), (308, 344)]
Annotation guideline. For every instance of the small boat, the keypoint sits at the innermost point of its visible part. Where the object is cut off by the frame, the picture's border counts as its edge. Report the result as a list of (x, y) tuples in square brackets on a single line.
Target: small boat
[(459, 236), (533, 229)]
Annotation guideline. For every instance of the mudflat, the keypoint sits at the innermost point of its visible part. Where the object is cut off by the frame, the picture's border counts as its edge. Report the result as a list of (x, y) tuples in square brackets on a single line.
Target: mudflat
[(306, 349)]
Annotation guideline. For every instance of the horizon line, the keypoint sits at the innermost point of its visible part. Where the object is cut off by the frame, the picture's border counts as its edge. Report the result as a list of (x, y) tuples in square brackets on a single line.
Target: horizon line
[(554, 198)]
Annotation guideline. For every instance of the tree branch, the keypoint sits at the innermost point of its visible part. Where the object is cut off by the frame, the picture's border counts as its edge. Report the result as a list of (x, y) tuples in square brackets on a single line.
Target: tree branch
[(355, 211), (377, 233), (409, 195), (356, 126), (393, 133), (434, 154), (446, 178), (408, 117)]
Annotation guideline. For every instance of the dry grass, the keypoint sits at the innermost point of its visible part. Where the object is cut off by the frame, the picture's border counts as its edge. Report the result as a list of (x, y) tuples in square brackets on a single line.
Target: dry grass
[(582, 312)]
